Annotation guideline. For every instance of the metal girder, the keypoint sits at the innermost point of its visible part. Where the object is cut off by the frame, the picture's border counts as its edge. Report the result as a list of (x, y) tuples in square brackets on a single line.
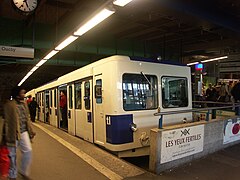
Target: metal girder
[(212, 45), (205, 10)]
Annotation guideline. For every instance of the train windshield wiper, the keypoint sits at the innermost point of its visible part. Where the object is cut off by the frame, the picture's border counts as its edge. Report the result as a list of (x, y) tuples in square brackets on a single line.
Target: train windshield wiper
[(152, 88)]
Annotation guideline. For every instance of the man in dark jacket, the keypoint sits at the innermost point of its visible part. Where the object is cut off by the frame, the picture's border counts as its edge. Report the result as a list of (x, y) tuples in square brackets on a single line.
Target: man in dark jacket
[(33, 105), (236, 92), (63, 108)]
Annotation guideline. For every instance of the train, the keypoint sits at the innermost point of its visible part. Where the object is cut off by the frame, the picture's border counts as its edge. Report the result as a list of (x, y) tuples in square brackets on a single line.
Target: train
[(111, 102)]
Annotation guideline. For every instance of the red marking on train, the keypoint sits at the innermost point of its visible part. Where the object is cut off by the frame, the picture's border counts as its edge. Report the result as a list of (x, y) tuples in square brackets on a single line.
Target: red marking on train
[(235, 129)]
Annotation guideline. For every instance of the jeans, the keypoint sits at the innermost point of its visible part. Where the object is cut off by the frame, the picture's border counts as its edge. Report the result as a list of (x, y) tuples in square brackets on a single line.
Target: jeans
[(26, 149)]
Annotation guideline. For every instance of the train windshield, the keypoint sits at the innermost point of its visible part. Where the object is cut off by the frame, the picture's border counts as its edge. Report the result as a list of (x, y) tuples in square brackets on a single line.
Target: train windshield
[(174, 92), (138, 93)]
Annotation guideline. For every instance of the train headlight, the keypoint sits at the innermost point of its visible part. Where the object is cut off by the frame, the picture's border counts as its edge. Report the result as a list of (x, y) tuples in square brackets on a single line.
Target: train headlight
[(133, 127)]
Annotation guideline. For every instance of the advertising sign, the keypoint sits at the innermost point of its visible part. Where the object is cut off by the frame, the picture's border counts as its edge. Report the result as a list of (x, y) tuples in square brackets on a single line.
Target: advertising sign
[(231, 130), (182, 142)]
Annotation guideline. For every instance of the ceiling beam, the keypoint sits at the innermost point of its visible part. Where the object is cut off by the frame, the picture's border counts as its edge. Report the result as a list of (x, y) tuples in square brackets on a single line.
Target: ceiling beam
[(220, 44), (60, 4), (211, 12)]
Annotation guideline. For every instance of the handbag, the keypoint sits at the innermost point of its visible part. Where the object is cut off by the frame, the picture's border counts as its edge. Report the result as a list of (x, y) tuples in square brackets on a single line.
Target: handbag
[(4, 161), (4, 152)]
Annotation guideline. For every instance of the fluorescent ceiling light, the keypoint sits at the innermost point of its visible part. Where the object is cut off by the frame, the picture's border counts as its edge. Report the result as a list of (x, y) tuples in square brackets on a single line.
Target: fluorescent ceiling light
[(189, 64), (31, 71), (121, 2), (25, 78), (105, 13), (66, 42), (34, 68), (41, 62), (208, 60), (51, 54), (22, 81), (214, 59), (28, 74)]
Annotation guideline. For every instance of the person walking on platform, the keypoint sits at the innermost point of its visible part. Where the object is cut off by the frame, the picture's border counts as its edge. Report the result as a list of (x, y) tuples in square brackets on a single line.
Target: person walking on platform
[(18, 133), (33, 105)]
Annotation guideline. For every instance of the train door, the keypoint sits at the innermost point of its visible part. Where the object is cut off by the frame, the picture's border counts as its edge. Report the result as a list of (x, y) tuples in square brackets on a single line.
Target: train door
[(62, 112), (53, 109), (84, 115), (87, 110), (46, 106), (99, 127), (50, 106), (70, 107), (78, 111), (38, 109), (41, 107)]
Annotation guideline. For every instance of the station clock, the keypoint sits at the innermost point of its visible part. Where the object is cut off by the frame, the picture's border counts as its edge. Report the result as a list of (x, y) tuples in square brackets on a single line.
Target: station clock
[(26, 6)]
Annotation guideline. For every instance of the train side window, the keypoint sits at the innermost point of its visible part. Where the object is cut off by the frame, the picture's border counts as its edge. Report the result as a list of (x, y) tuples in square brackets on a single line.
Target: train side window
[(174, 92), (50, 99), (78, 96), (70, 97), (98, 91), (37, 97), (42, 99), (87, 95), (55, 98), (139, 92)]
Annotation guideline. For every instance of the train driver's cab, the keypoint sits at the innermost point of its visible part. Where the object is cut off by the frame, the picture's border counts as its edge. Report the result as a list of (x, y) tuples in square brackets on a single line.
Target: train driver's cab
[(174, 92)]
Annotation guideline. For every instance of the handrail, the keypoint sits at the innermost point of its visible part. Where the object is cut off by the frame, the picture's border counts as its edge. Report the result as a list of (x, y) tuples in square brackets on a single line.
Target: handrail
[(213, 109), (193, 110), (212, 102)]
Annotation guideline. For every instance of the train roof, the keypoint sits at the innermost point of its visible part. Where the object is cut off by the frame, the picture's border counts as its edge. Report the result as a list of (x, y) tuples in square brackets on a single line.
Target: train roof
[(156, 60), (87, 69)]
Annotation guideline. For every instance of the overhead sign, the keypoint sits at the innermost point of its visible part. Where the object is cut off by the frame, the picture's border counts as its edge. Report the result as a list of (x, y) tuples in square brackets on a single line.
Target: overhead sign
[(231, 131), (182, 142), (199, 67), (20, 52)]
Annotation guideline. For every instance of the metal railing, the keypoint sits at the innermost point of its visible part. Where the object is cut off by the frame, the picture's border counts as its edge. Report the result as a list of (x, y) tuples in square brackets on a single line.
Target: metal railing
[(209, 110)]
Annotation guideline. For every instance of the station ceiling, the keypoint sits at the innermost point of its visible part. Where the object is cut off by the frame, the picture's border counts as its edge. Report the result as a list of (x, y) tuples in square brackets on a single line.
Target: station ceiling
[(182, 31)]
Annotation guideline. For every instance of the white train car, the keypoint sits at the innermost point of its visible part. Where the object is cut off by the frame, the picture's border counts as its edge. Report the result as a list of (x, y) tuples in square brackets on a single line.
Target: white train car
[(111, 102)]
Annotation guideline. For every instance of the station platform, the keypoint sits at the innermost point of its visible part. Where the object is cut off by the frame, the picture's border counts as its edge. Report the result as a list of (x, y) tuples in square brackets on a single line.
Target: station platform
[(60, 156)]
